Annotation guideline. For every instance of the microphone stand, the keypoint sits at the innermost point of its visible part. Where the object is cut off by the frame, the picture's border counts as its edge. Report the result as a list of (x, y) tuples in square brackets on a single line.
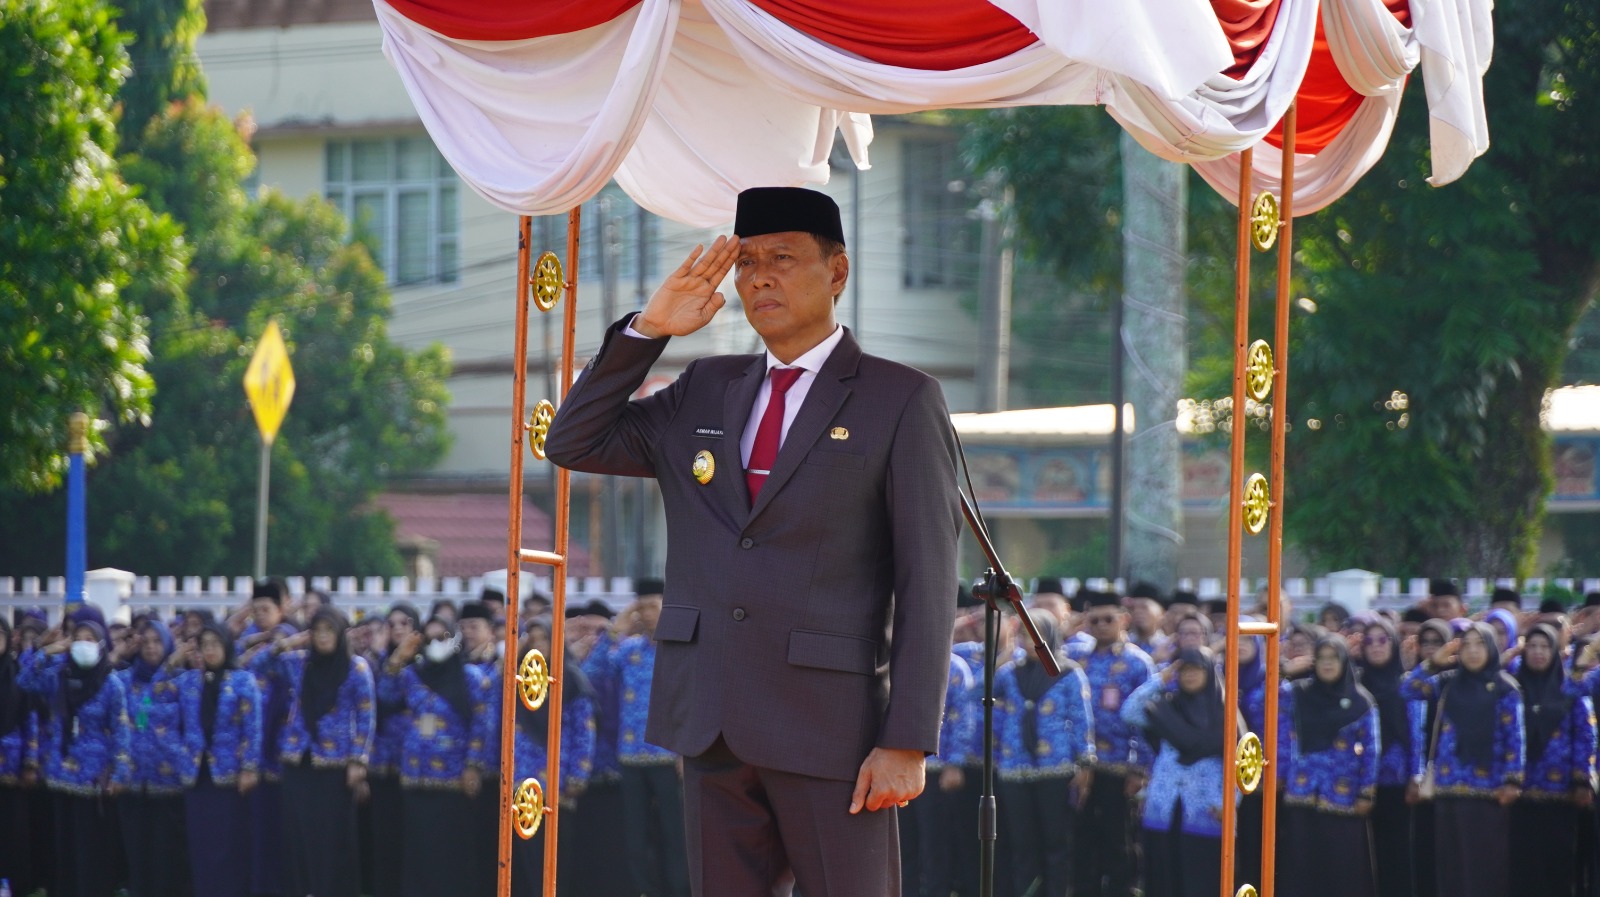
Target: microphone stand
[(997, 586)]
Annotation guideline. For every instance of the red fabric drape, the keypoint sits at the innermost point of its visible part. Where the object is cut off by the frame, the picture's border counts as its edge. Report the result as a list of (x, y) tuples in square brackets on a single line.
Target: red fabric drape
[(1326, 101), (1247, 25), (477, 20), (933, 35)]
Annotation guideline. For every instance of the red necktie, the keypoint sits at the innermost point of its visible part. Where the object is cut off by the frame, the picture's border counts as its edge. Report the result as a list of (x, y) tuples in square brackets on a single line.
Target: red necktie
[(764, 451)]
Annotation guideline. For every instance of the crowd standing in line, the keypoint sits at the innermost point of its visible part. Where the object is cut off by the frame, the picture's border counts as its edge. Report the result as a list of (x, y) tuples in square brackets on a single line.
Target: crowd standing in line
[(286, 751)]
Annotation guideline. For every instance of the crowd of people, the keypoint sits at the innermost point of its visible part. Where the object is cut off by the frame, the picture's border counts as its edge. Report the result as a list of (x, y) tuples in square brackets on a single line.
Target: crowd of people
[(286, 751)]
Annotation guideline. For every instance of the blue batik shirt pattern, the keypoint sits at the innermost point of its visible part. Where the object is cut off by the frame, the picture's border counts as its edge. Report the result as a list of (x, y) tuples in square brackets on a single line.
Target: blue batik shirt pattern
[(601, 669), (1451, 775), (388, 738), (1063, 724), (19, 748), (235, 735), (1399, 764), (274, 701), (960, 730), (635, 662), (1198, 785), (99, 755), (155, 741), (1331, 780), (1114, 673), (577, 748), (439, 746), (344, 734)]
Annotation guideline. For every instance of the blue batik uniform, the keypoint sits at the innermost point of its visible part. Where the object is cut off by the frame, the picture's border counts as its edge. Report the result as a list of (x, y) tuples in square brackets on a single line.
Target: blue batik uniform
[(1198, 785), (1330, 780), (97, 752), (160, 762), (1454, 777), (439, 745), (635, 661), (1114, 673), (344, 734), (577, 747), (235, 736), (389, 734), (274, 704), (1399, 764), (960, 730), (1063, 727), (19, 748), (601, 669)]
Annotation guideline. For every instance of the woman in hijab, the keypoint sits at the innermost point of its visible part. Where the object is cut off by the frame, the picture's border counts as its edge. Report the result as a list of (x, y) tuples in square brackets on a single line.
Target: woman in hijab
[(1400, 755), (326, 743), (1183, 803), (19, 768), (222, 741), (1559, 739), (83, 753), (444, 753), (532, 758), (1328, 770), (383, 776), (1252, 662), (1478, 761), (151, 809), (1431, 636), (1045, 747), (1504, 623)]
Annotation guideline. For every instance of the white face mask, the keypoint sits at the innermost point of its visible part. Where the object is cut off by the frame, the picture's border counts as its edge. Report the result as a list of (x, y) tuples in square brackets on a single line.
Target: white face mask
[(85, 654), (500, 650), (439, 652)]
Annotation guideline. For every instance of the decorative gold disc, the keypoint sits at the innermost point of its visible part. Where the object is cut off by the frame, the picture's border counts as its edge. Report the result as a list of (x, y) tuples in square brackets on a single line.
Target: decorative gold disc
[(527, 808), (1258, 373), (1250, 760), (533, 680), (548, 281), (1264, 221), (1246, 890), (539, 427), (1257, 502)]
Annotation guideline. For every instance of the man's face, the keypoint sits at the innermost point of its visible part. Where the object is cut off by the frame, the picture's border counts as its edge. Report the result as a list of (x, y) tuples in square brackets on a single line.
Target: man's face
[(1143, 614), (265, 613), (1053, 604), (1447, 607), (1105, 623), (475, 633), (787, 287)]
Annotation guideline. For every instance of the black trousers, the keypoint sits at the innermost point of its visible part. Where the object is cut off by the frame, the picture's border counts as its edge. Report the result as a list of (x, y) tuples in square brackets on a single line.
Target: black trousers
[(1424, 840), (1103, 856), (319, 815), (1247, 846), (935, 814), (388, 834), (218, 820), (1039, 818), (653, 830), (1472, 847), (438, 834), (155, 841), (16, 840), (1178, 864), (1324, 854), (1544, 839), (87, 847), (1392, 845), (591, 829)]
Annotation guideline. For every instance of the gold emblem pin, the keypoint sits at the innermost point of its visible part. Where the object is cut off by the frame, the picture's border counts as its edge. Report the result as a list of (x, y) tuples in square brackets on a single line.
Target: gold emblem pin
[(705, 467), (839, 433)]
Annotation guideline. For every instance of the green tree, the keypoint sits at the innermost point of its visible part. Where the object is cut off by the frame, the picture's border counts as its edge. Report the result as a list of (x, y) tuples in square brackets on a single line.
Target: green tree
[(73, 239), (165, 67)]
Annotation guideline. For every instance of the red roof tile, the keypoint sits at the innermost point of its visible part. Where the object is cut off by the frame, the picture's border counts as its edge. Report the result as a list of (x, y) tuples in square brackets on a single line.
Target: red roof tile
[(470, 529)]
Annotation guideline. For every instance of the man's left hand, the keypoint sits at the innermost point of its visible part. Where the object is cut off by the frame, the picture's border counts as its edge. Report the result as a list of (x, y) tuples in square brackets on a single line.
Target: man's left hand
[(888, 777)]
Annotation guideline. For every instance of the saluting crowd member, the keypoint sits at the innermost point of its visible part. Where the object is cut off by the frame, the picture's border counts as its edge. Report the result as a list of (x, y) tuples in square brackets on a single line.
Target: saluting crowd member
[(391, 722), (1478, 759), (1250, 655), (83, 751), (1559, 743), (1183, 712), (221, 707), (1328, 768), (324, 748), (591, 636), (443, 756), (1046, 751), (19, 769), (940, 808), (268, 624), (481, 649), (1401, 761), (1103, 859), (151, 809)]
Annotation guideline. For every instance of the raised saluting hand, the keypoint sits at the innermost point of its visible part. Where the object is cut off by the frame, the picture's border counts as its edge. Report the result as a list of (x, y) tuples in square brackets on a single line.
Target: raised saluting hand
[(688, 298)]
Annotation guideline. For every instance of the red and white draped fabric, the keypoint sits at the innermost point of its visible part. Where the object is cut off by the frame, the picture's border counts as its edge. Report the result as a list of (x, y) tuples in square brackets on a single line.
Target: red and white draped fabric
[(685, 102)]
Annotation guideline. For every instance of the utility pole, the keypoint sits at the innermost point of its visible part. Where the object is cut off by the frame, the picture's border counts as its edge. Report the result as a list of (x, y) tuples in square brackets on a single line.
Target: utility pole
[(994, 312), (609, 232)]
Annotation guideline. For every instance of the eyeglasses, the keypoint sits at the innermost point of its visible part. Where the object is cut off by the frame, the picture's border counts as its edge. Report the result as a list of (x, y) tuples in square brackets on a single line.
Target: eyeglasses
[(1430, 643), (1376, 640), (1103, 620)]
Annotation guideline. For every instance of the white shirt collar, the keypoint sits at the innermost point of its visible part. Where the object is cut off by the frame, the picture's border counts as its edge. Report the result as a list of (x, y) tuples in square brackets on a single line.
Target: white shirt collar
[(813, 359)]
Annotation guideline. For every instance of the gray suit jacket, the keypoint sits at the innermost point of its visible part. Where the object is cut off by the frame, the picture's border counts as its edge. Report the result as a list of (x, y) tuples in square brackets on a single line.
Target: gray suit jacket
[(785, 623)]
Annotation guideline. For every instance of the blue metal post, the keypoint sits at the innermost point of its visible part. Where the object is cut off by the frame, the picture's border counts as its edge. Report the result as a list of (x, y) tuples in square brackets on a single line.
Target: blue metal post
[(77, 551)]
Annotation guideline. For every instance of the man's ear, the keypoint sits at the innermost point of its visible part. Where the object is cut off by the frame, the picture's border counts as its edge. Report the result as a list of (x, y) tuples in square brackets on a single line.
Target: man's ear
[(840, 265)]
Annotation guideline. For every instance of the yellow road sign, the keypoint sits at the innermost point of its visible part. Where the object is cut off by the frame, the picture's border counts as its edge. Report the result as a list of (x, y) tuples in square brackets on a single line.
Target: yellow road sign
[(269, 382)]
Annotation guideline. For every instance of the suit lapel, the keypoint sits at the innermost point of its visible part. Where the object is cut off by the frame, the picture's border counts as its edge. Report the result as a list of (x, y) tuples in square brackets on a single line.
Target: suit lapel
[(827, 394), (737, 401)]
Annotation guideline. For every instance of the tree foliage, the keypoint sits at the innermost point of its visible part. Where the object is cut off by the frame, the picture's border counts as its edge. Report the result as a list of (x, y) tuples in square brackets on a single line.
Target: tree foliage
[(73, 239)]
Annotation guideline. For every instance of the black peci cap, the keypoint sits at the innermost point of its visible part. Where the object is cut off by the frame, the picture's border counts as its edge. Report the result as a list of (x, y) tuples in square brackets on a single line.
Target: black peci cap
[(776, 210)]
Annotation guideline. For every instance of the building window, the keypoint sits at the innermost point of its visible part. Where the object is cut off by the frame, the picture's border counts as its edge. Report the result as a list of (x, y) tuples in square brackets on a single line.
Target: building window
[(403, 199), (611, 217), (938, 232)]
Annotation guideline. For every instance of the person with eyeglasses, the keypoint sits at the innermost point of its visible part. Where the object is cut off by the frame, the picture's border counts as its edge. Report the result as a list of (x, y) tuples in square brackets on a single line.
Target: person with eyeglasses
[(1103, 860)]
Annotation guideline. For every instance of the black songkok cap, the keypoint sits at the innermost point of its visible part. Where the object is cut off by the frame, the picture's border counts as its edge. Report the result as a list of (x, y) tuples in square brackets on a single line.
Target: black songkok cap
[(1507, 596), (1143, 589), (270, 588), (1552, 606), (492, 595), (476, 610), (1184, 597), (1217, 606), (1592, 599), (1050, 585), (1444, 587), (1104, 599), (776, 210), (649, 586), (1415, 615)]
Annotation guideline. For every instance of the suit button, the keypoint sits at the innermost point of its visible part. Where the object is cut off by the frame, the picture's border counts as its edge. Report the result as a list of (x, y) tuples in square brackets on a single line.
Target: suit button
[(747, 542), (738, 613)]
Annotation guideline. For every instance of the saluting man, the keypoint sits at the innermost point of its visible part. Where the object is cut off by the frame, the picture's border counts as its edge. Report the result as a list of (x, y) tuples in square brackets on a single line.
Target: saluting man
[(812, 517)]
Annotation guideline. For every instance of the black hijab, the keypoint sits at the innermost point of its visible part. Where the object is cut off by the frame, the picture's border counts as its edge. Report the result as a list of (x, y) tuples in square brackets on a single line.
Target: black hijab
[(1471, 699), (79, 685), (1313, 632), (1383, 683), (536, 723), (1033, 680), (13, 704), (1191, 723), (211, 679), (448, 678), (1321, 709), (325, 673), (1545, 707)]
